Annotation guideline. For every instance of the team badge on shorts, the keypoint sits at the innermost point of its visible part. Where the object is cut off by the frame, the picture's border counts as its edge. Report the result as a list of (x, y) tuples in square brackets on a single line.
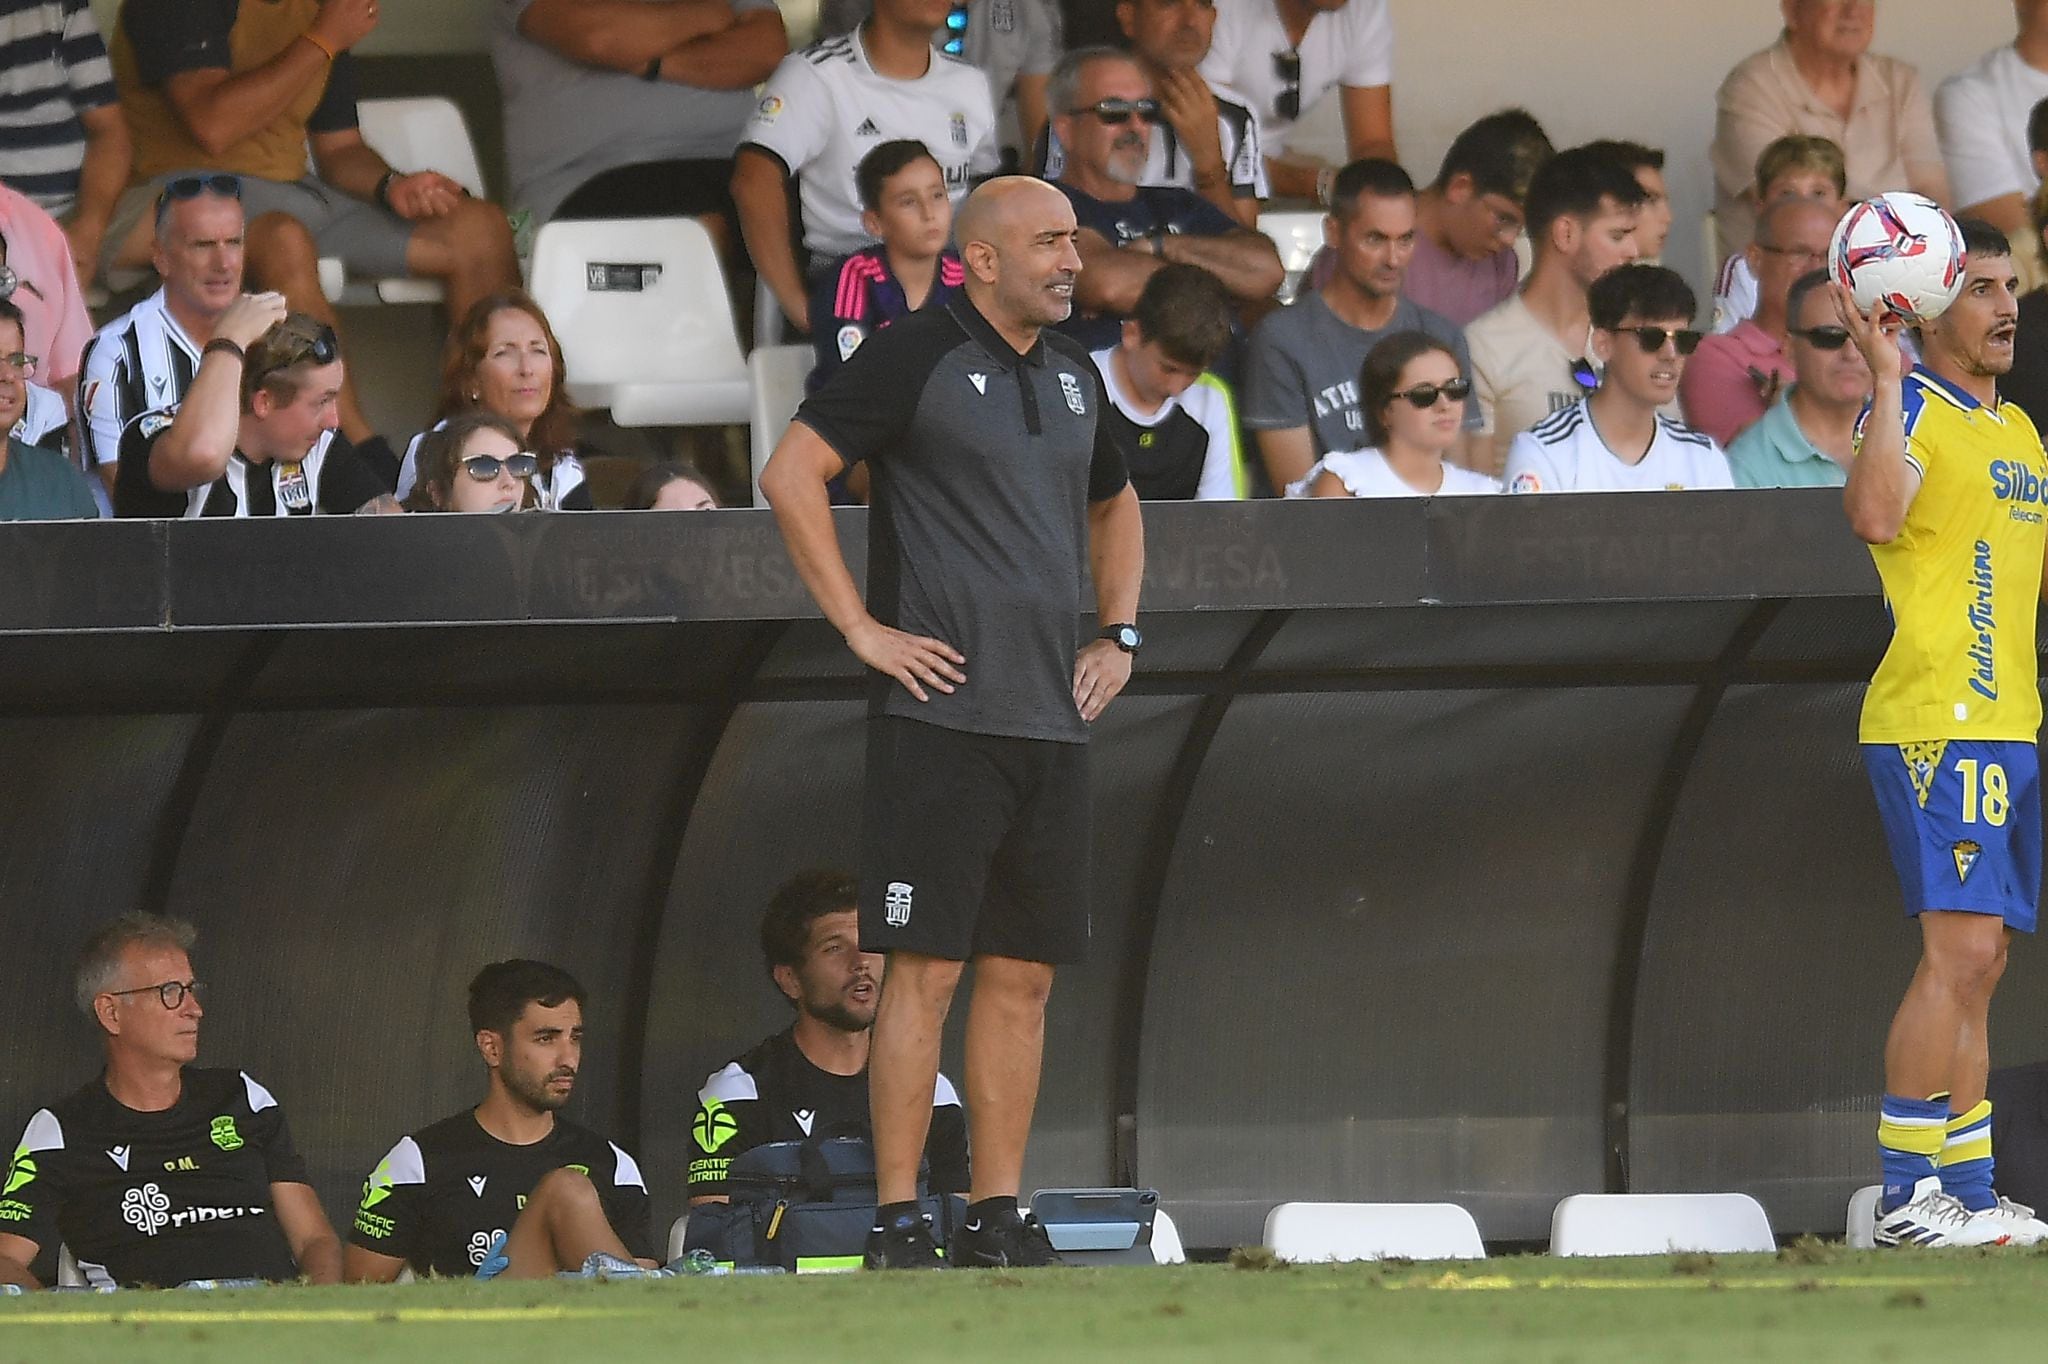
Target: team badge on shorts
[(1071, 387), (1966, 854), (896, 908)]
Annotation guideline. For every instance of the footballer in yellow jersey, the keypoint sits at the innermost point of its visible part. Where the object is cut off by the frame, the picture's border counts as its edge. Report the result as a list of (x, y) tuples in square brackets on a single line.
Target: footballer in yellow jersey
[(1950, 490)]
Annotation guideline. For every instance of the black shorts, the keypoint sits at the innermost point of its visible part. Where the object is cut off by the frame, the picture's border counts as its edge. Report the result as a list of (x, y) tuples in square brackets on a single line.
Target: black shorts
[(655, 189), (973, 845)]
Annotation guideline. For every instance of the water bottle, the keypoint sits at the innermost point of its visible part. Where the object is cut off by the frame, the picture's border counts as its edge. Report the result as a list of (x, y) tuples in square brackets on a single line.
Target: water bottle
[(701, 1262)]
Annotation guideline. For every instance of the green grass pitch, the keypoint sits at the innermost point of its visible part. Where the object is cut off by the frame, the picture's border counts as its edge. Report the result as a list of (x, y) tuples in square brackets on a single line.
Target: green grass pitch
[(1810, 1302)]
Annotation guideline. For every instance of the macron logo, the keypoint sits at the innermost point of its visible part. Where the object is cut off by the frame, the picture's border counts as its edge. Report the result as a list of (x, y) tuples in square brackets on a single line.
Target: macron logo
[(476, 1184), (804, 1118), (980, 382), (119, 1155)]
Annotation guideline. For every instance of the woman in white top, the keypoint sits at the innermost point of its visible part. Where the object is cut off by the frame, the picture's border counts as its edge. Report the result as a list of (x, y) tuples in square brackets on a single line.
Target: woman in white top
[(471, 463), (1412, 397), (504, 359)]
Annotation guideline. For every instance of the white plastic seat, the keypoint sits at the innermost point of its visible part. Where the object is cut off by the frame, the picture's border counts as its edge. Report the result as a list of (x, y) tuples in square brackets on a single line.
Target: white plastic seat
[(68, 1273), (1304, 1232), (778, 374), (664, 353), (1297, 235), (415, 135), (1660, 1224), (676, 1229), (1166, 1246), (1861, 1232)]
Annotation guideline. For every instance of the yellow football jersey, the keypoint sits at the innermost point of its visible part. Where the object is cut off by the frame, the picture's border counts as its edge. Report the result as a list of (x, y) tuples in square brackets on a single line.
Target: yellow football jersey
[(1963, 578)]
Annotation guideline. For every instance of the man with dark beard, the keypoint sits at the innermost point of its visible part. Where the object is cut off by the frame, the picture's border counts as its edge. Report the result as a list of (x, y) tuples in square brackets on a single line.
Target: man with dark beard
[(508, 1189), (811, 1079)]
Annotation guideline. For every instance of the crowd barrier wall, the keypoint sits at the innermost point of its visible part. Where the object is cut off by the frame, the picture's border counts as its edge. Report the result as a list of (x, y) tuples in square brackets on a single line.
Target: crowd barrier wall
[(1488, 850)]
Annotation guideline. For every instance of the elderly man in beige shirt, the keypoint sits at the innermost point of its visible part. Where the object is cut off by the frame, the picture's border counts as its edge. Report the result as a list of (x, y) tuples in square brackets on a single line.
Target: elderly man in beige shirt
[(1820, 78)]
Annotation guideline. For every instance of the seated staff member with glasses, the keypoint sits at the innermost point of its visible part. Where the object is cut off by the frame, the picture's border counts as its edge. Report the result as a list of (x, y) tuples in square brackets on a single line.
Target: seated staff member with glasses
[(1618, 440), (1104, 114), (1739, 372), (36, 484), (256, 434), (1808, 437), (1529, 354), (146, 357), (472, 463), (159, 1172), (1283, 56), (38, 414), (1413, 396)]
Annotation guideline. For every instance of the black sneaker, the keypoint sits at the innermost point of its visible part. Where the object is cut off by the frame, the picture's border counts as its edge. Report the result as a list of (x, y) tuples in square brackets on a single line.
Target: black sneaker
[(1004, 1241), (906, 1243)]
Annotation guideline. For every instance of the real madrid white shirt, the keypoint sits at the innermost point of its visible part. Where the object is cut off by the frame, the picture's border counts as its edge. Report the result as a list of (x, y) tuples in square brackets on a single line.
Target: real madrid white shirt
[(1352, 45), (1564, 453), (825, 108)]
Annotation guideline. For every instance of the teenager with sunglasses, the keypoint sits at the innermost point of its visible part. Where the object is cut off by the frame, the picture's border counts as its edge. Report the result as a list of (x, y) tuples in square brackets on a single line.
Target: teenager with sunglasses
[(1739, 373), (1808, 437), (1619, 440), (1413, 398), (257, 433), (473, 462), (157, 1172)]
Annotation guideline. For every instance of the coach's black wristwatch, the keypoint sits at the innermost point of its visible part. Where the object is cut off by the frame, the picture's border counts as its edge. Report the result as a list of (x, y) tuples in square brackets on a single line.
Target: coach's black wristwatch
[(1125, 637)]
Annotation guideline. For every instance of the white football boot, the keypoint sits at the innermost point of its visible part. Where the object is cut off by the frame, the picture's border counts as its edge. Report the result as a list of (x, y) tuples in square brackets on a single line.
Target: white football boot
[(1933, 1218)]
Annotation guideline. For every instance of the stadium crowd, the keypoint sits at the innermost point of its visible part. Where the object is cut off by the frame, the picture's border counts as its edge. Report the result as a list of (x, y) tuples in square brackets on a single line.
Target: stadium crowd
[(215, 152)]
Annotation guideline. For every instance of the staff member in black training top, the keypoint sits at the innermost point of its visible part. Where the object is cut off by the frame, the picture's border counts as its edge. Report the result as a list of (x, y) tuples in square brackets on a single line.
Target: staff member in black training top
[(158, 1171), (993, 474), (508, 1169), (811, 1079)]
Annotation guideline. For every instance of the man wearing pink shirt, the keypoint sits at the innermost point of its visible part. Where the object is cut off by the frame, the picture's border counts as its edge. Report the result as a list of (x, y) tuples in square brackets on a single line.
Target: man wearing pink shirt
[(1736, 376), (46, 290)]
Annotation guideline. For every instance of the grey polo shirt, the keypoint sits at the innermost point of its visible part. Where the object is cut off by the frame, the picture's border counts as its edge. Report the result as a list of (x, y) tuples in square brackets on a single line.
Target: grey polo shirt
[(567, 123), (984, 463)]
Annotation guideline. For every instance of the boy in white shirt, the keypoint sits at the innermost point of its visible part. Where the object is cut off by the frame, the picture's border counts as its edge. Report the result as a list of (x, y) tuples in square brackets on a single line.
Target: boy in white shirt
[(1617, 440)]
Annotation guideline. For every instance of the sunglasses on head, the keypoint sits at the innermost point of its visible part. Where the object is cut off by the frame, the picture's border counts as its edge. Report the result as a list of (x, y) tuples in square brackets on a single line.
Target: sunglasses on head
[(1652, 339), (296, 346), (485, 468), (1287, 104), (1823, 338), (1425, 396), (1114, 113), (192, 186)]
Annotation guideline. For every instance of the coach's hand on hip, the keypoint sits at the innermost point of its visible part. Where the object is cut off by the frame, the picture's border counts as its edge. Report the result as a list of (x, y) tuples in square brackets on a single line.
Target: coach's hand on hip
[(1100, 671), (913, 660)]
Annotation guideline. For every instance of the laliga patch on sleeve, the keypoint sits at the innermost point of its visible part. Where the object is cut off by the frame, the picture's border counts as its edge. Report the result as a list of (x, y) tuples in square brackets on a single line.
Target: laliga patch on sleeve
[(1526, 482), (769, 109), (850, 338), (602, 277), (153, 422)]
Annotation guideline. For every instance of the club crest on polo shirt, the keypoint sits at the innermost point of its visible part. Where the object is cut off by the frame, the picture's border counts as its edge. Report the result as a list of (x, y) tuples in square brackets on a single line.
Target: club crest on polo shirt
[(1071, 387)]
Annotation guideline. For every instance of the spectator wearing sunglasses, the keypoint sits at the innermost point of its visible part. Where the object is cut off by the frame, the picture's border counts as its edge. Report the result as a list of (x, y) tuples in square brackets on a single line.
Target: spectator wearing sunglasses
[(256, 434), (63, 139), (1015, 43), (1468, 221), (1285, 55), (254, 89), (473, 462), (630, 108), (145, 358), (1207, 138), (504, 358), (1302, 395), (157, 1171), (35, 484), (46, 289), (1413, 394), (1738, 374), (1104, 116), (1808, 437), (1820, 78), (825, 109), (1529, 354), (1619, 440)]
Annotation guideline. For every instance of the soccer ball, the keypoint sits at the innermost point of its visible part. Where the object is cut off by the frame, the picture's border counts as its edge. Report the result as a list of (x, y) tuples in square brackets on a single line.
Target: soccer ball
[(1899, 253)]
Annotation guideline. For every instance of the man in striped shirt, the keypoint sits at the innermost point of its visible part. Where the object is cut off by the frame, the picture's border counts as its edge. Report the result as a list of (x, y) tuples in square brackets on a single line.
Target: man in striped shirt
[(63, 140)]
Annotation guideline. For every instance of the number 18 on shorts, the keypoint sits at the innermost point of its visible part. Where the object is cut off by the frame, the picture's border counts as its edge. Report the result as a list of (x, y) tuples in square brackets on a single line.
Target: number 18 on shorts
[(1963, 818)]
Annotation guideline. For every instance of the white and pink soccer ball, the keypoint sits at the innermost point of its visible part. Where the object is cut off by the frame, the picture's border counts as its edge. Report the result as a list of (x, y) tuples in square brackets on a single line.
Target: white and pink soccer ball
[(1899, 253)]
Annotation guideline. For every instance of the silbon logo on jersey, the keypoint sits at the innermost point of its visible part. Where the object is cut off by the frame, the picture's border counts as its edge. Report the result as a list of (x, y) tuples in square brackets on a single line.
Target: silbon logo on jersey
[(2012, 482)]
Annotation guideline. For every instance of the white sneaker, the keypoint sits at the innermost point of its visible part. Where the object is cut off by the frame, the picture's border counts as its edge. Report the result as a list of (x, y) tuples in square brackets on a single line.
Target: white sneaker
[(1933, 1218), (2022, 1228)]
